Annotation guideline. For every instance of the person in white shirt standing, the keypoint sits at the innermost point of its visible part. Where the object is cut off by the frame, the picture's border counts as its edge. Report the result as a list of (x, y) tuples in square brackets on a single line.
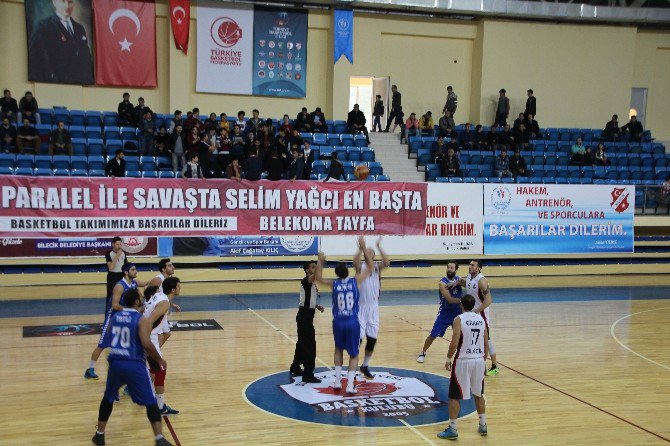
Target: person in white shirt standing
[(368, 316), (469, 349)]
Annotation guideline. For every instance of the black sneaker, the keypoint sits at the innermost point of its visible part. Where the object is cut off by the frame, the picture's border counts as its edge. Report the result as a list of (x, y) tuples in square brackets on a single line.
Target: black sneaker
[(163, 442), (167, 410), (98, 439), (295, 372), (311, 380), (366, 372)]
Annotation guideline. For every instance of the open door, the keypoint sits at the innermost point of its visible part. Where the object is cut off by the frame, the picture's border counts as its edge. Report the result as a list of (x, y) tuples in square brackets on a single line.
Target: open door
[(381, 86)]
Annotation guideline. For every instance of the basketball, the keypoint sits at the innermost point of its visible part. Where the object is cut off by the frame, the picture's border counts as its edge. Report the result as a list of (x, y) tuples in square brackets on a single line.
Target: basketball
[(362, 171)]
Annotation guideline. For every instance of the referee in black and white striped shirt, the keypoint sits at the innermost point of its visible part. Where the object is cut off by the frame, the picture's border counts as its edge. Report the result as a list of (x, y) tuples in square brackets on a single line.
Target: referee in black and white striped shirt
[(305, 348)]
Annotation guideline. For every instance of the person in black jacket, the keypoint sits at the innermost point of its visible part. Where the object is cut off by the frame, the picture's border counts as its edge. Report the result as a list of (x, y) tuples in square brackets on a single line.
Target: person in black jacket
[(116, 167), (275, 167), (612, 132), (8, 106), (318, 120), (302, 121), (634, 127), (336, 170), (378, 112), (126, 111), (395, 106), (517, 165), (356, 122), (531, 105)]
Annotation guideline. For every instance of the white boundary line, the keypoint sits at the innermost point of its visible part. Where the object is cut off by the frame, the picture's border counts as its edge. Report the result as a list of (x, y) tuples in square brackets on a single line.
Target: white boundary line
[(630, 349)]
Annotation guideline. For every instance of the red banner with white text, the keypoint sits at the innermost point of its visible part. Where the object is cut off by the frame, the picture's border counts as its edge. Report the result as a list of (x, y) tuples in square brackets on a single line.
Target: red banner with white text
[(33, 207)]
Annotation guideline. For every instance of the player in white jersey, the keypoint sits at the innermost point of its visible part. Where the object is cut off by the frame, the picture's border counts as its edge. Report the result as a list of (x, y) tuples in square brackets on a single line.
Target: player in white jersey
[(368, 315), (469, 349), (166, 269), (156, 309)]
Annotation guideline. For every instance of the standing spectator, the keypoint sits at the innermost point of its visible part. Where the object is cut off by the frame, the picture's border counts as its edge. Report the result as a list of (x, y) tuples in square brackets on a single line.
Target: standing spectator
[(28, 109), (193, 142), (26, 135), (8, 106), (297, 165), (126, 111), (318, 120), (517, 165), (533, 127), (308, 154), (377, 113), (240, 122), (211, 123), (502, 109), (193, 169), (302, 122), (446, 123), (426, 124), (253, 167), (396, 102), (162, 142), (467, 138), (502, 165), (578, 153), (286, 125), (223, 123), (237, 143), (412, 125), (178, 148), (147, 133), (634, 128), (275, 167), (612, 131), (254, 124), (356, 123), (7, 135), (223, 145), (60, 139), (193, 121), (531, 104), (116, 167), (336, 169), (451, 167), (452, 102), (141, 110), (233, 170), (175, 121), (601, 157)]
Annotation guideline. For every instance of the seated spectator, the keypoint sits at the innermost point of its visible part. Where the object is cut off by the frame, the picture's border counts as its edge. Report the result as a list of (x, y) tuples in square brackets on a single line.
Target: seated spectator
[(177, 120), (286, 125), (426, 124), (209, 155), (612, 131), (481, 138), (193, 121), (302, 121), (318, 120), (517, 165), (116, 167), (250, 144), (578, 151), (411, 126), (450, 166), (533, 127), (438, 150), (162, 142), (507, 139), (601, 157), (193, 169), (28, 109), (26, 136), (233, 170), (589, 158), (178, 147), (126, 111), (223, 123), (141, 110), (356, 123), (634, 129), (272, 130), (522, 137), (451, 135), (274, 166), (7, 136), (467, 138), (501, 168), (446, 123), (297, 165), (8, 107), (518, 121), (665, 190), (336, 169), (60, 139), (254, 124), (211, 123), (147, 133), (253, 167), (494, 139)]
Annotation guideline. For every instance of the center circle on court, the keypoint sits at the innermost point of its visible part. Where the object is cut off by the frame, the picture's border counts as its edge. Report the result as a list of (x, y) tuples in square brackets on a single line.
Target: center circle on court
[(394, 394)]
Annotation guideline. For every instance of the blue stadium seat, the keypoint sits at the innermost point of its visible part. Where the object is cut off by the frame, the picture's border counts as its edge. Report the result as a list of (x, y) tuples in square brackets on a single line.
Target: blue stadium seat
[(96, 147), (78, 172), (360, 141), (333, 139), (382, 178), (60, 162), (319, 139), (43, 129), (133, 173), (149, 174), (6, 170), (522, 180), (96, 162), (320, 167), (432, 172), (165, 174), (42, 162), (93, 119), (46, 116), (77, 131), (111, 132), (110, 118), (424, 157), (113, 145), (96, 173), (367, 154), (375, 168), (325, 152), (93, 133), (61, 172), (348, 167), (128, 133), (77, 117), (495, 180), (42, 172), (535, 180), (340, 127), (28, 171), (62, 115), (354, 154), (469, 180), (7, 160)]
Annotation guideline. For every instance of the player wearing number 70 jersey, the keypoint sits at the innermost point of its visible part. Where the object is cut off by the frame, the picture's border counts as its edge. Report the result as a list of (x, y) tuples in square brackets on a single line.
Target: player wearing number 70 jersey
[(346, 327)]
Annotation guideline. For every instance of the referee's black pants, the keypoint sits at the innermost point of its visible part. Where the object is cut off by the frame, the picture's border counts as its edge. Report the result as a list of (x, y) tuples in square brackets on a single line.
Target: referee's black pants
[(305, 348)]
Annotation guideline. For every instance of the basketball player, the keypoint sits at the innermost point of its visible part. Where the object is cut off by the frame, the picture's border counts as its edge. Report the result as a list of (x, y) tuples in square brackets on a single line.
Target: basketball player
[(165, 270), (155, 309), (122, 286), (305, 348), (346, 328), (368, 317), (450, 307), (467, 371), (127, 365)]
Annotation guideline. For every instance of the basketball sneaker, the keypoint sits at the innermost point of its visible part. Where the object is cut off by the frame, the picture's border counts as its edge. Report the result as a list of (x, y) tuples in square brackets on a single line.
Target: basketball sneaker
[(337, 385), (352, 390), (482, 430), (90, 374), (449, 433), (366, 372), (163, 442), (421, 358), (493, 371), (98, 439), (167, 410)]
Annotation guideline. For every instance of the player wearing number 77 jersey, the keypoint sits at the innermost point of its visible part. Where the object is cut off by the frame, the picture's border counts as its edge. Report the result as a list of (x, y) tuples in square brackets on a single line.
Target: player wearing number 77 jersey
[(346, 328)]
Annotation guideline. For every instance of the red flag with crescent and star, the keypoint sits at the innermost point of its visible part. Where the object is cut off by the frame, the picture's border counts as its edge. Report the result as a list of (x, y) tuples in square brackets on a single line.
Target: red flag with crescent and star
[(125, 43), (180, 18)]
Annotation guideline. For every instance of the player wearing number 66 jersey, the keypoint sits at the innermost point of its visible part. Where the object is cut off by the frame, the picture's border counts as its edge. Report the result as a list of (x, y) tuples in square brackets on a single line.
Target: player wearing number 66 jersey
[(346, 328)]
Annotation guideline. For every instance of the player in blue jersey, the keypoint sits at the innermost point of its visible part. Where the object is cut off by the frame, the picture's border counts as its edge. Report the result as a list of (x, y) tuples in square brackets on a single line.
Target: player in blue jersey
[(129, 339), (113, 305), (346, 328), (450, 307)]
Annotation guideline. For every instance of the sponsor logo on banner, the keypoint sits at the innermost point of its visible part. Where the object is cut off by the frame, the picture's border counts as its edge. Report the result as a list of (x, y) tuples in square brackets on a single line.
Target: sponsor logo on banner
[(417, 398), (41, 331), (134, 245), (501, 197), (619, 199), (75, 247)]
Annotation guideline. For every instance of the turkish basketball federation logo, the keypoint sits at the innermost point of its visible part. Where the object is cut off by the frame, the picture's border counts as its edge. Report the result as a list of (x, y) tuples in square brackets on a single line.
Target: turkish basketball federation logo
[(225, 32), (395, 394)]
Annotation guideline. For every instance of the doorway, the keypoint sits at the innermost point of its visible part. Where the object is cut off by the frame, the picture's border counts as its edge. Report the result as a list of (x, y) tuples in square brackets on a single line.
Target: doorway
[(363, 90), (638, 104)]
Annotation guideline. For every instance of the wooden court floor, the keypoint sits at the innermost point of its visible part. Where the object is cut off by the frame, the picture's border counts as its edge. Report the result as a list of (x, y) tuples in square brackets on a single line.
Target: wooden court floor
[(573, 373)]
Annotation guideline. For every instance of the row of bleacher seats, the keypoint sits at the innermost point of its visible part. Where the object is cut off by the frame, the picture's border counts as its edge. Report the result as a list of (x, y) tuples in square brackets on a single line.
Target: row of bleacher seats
[(335, 139), (541, 180), (549, 134), (560, 159)]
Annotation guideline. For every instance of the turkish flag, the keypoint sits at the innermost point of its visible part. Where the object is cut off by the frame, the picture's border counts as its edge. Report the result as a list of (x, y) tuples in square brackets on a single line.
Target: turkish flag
[(180, 18), (125, 43)]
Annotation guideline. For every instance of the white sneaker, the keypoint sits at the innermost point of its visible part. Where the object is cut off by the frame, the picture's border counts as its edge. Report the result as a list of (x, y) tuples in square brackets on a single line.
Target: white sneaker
[(352, 390), (337, 385), (421, 358)]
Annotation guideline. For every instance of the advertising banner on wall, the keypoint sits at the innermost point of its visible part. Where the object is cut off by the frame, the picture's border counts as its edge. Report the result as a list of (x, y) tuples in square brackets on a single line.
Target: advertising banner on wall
[(280, 52), (37, 207), (240, 246), (74, 247), (453, 226), (558, 219)]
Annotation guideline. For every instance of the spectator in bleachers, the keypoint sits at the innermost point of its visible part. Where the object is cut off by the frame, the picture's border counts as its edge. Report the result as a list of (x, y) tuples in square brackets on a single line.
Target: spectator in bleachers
[(451, 103), (253, 167), (531, 104), (237, 143), (501, 168), (60, 139), (178, 148), (210, 140), (193, 122), (282, 145), (267, 139), (377, 113), (665, 190), (211, 123), (518, 121), (126, 111), (274, 166), (270, 125), (467, 138), (193, 169), (7, 135), (612, 131), (147, 133), (162, 142), (634, 129), (254, 124), (308, 154), (28, 109), (249, 144), (297, 165), (356, 123), (193, 141), (578, 153), (302, 122), (286, 125), (533, 127), (494, 139), (318, 120), (396, 102), (522, 137), (336, 169), (223, 123), (502, 109), (439, 151), (412, 125), (481, 138), (176, 120), (233, 170), (223, 145), (507, 138), (116, 167), (240, 122), (589, 158), (446, 123), (601, 156), (8, 106), (141, 110), (26, 136), (517, 165), (450, 166), (426, 124)]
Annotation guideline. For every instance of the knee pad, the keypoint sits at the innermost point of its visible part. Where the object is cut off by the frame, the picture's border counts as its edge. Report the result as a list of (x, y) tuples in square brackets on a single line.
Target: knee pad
[(492, 349), (153, 414), (159, 378), (105, 410), (370, 344)]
